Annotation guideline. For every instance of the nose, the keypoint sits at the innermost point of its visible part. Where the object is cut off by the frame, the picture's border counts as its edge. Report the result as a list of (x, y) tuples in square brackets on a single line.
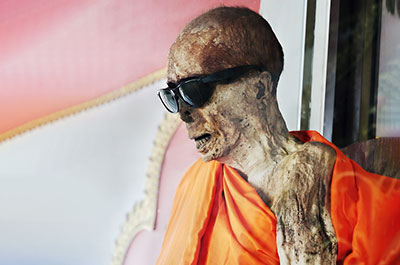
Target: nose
[(185, 112)]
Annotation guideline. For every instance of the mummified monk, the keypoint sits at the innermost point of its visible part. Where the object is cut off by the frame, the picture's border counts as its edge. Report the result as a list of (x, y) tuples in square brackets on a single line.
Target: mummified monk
[(262, 195)]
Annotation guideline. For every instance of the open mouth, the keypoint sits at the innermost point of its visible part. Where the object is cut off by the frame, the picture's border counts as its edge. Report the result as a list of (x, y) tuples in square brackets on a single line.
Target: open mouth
[(202, 140)]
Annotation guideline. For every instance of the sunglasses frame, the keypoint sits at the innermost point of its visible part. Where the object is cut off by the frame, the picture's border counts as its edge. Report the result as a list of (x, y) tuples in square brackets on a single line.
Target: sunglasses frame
[(225, 76)]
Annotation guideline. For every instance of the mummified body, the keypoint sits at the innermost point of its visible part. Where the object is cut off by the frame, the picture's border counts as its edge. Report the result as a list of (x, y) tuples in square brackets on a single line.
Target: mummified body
[(241, 126)]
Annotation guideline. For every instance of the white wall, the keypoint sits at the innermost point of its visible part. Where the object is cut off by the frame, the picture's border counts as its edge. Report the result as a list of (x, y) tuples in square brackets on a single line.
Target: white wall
[(66, 187), (287, 19)]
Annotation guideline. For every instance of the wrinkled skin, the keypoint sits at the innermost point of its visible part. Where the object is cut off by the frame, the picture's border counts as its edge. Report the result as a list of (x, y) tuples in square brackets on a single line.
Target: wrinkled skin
[(224, 123), (241, 126), (217, 120)]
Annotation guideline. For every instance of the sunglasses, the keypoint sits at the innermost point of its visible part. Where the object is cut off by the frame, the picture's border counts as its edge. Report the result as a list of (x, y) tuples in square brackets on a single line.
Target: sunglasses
[(196, 91)]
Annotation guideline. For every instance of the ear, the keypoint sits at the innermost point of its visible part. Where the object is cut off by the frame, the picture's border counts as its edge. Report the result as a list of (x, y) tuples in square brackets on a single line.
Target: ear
[(264, 86), (266, 80)]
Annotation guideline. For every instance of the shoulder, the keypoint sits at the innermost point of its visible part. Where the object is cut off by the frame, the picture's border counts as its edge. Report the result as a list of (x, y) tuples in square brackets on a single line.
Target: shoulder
[(314, 151), (319, 149), (314, 157), (314, 143)]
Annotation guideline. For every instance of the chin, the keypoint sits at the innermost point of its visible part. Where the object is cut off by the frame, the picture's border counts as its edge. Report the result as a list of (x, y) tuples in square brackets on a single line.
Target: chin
[(208, 157), (217, 154)]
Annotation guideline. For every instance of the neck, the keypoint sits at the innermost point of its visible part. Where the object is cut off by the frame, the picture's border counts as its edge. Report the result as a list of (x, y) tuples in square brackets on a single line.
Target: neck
[(261, 147)]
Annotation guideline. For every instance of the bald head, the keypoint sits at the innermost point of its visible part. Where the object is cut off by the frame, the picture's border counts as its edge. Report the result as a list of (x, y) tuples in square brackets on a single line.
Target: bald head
[(234, 112), (222, 38)]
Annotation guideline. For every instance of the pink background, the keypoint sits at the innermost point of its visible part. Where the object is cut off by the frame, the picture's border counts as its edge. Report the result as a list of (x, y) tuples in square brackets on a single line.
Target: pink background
[(59, 53)]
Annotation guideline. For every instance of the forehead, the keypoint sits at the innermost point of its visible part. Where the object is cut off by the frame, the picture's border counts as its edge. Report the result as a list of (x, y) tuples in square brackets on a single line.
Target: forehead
[(194, 53), (184, 59)]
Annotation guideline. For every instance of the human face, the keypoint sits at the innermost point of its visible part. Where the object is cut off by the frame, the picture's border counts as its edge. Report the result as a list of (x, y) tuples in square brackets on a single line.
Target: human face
[(217, 126)]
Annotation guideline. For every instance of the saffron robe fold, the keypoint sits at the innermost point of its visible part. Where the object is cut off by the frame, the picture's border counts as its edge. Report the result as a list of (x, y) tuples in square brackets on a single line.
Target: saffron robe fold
[(218, 218)]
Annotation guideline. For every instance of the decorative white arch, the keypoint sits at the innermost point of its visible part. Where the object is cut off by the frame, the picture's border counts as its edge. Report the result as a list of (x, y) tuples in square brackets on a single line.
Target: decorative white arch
[(143, 214)]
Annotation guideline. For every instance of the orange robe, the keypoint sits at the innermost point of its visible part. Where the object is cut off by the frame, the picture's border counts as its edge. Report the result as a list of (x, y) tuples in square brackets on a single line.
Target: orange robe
[(218, 218)]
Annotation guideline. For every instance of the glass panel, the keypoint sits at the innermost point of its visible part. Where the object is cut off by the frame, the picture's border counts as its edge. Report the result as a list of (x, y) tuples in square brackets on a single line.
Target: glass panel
[(388, 107), (366, 66), (307, 72), (355, 81)]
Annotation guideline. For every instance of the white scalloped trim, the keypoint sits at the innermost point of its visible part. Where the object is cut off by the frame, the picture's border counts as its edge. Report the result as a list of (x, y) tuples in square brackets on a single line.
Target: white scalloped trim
[(143, 214), (118, 93)]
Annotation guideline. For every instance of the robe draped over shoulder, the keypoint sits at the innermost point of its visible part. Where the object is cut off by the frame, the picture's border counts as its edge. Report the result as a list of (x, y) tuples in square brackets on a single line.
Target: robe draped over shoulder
[(218, 218)]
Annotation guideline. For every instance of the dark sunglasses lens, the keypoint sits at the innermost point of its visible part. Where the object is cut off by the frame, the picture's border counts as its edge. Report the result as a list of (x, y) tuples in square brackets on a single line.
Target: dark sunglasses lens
[(194, 93), (168, 99)]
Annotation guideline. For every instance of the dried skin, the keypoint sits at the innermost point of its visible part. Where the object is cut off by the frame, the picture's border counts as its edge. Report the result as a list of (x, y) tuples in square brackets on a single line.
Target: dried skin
[(305, 233), (292, 178), (224, 38), (241, 126)]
